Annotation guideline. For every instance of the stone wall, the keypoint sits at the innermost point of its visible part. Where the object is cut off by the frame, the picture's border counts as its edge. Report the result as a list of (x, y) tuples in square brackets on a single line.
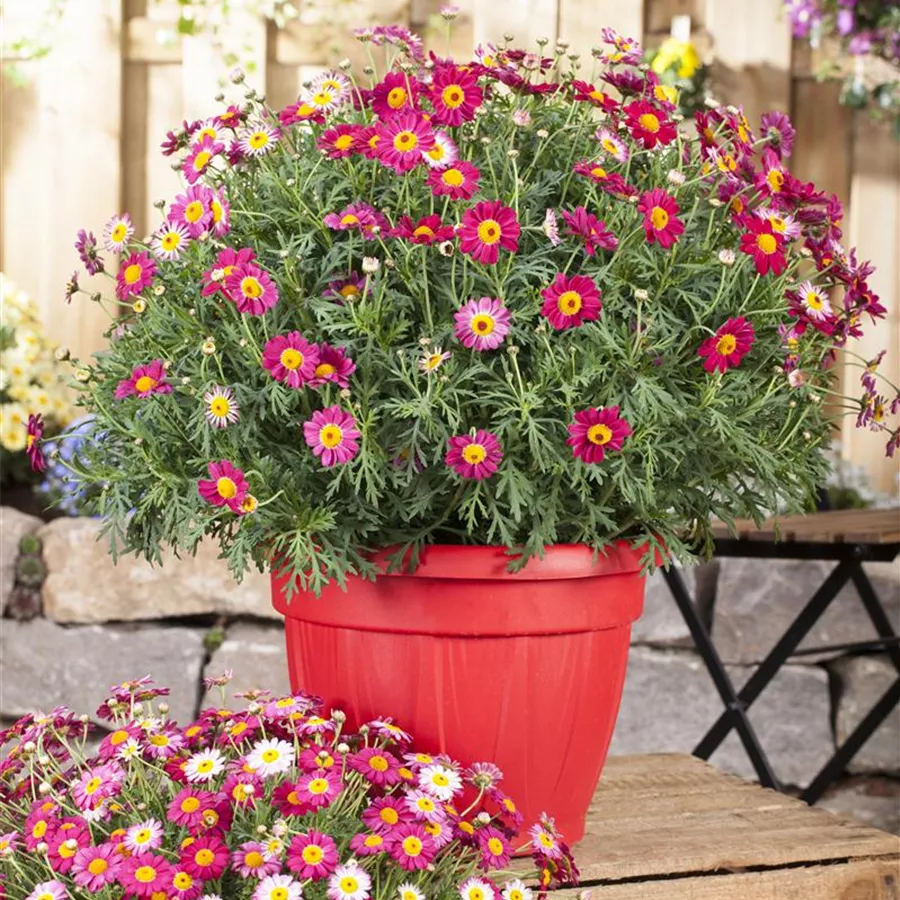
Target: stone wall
[(76, 624)]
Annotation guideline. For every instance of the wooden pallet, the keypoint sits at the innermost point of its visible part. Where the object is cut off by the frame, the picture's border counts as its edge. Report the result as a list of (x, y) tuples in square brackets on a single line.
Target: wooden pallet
[(839, 526), (671, 827)]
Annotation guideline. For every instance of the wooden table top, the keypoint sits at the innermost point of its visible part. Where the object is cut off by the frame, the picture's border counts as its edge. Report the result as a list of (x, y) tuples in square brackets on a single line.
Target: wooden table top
[(839, 526), (671, 827)]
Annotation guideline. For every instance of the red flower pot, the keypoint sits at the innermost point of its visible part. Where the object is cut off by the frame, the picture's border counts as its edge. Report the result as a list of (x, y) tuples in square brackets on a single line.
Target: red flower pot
[(525, 669)]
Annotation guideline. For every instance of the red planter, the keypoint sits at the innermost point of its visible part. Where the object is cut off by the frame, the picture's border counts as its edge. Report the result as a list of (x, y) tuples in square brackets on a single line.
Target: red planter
[(525, 669)]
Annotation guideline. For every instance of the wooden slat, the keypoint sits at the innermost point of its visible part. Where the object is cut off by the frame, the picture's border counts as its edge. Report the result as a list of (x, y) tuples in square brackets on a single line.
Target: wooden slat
[(526, 20), (580, 22), (858, 526), (658, 14)]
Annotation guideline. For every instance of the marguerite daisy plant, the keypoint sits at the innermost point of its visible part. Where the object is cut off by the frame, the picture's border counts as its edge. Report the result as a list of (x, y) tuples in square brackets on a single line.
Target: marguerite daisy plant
[(276, 801), (488, 301)]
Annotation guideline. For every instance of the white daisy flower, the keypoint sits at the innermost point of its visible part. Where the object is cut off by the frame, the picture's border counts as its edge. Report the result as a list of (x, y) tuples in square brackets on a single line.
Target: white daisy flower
[(476, 889), (516, 890), (117, 233), (278, 887), (258, 139), (271, 757), (349, 882), (444, 152), (408, 891), (212, 129), (221, 407), (815, 302), (440, 781), (129, 750), (170, 240), (334, 84), (204, 766)]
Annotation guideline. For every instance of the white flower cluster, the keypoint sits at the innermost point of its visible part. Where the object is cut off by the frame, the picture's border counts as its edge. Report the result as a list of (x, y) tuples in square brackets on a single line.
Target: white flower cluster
[(30, 379)]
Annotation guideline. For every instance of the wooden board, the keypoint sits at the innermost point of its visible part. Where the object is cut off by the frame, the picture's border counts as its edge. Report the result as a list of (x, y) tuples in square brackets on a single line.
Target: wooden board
[(847, 526), (671, 827)]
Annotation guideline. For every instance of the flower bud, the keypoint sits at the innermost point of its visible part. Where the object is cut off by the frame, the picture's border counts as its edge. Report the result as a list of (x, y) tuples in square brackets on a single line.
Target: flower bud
[(42, 847), (339, 716), (727, 256), (370, 265), (61, 354), (542, 133), (483, 818), (345, 65), (342, 748), (44, 788), (260, 829), (236, 75), (711, 103), (641, 294), (82, 375), (139, 305), (673, 176)]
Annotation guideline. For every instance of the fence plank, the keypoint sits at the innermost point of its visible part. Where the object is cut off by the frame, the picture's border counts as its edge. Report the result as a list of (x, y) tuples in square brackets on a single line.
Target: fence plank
[(526, 20), (580, 22)]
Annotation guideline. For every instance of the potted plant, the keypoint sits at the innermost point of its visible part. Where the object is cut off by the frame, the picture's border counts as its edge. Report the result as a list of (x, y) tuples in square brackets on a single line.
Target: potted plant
[(458, 352)]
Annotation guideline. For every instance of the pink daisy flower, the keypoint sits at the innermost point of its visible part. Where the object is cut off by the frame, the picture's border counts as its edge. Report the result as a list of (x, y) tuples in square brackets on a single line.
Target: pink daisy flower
[(333, 436), (385, 813), (203, 152), (648, 124), (144, 381), (771, 177), (376, 765), (242, 787), (312, 855), (334, 366), (458, 181), (226, 487), (249, 861), (340, 141), (611, 182), (251, 289), (96, 785), (301, 111), (48, 890), (404, 138), (170, 241), (367, 843), (590, 229), (411, 846), (146, 875), (117, 233), (221, 213), (357, 217), (319, 789), (570, 301), (811, 302), (316, 758), (728, 346), (395, 93), (495, 853), (444, 152), (482, 324), (291, 359), (205, 858), (258, 139), (193, 209), (96, 867), (226, 262), (86, 245), (455, 95), (135, 274), (423, 806), (596, 432), (187, 807), (428, 230), (143, 837), (33, 436), (660, 223), (72, 836), (486, 229), (474, 456)]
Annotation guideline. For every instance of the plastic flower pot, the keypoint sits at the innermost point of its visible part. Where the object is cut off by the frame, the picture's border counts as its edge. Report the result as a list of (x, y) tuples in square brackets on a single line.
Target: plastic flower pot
[(522, 669)]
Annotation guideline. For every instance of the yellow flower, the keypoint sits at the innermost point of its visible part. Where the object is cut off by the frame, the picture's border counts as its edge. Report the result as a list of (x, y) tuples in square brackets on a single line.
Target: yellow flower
[(673, 52)]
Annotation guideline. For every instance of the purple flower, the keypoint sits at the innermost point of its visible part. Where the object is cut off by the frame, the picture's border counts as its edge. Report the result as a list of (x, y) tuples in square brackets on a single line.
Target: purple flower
[(86, 245), (776, 128)]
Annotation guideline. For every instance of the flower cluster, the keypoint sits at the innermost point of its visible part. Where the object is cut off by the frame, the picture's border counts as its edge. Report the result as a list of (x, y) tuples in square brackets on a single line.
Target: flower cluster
[(31, 381), (486, 302), (274, 802)]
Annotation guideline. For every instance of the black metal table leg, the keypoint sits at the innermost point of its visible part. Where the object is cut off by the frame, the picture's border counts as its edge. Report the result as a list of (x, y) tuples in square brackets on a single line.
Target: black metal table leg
[(736, 714), (876, 612), (836, 765), (778, 655)]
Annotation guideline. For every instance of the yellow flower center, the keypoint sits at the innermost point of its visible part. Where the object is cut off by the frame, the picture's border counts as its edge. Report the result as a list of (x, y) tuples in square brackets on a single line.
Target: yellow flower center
[(291, 359), (159, 740), (476, 893), (97, 866), (206, 765), (389, 816), (220, 407), (241, 792), (183, 881), (349, 885), (94, 784), (145, 874), (472, 454), (659, 218), (217, 210), (439, 778), (66, 850), (406, 141), (482, 323), (304, 109), (378, 763), (227, 490), (271, 755), (293, 798), (133, 273), (318, 786), (814, 300), (649, 122), (171, 240), (190, 805), (201, 160), (279, 893), (433, 828), (412, 846), (426, 804), (609, 146), (143, 836), (374, 840), (193, 212), (599, 96), (344, 141), (775, 178), (453, 177), (495, 845), (545, 838), (516, 894), (569, 303), (423, 231), (396, 98), (331, 436), (349, 291), (453, 96), (258, 140), (510, 806), (350, 219), (118, 233), (118, 737), (145, 383), (599, 172), (250, 287), (323, 370), (599, 435), (466, 827), (312, 854), (726, 344), (437, 152), (204, 857), (489, 231), (206, 132), (766, 243)]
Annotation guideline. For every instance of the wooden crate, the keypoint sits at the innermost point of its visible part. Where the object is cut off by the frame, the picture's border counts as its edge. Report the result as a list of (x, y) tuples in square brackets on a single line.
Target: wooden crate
[(671, 827)]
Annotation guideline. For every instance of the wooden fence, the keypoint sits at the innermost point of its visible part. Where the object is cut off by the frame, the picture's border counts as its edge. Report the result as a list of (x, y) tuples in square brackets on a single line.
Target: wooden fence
[(80, 138)]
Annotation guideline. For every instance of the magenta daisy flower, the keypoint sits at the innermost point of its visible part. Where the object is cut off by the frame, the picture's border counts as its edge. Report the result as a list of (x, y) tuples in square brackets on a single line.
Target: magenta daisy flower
[(319, 789), (86, 245), (333, 436), (455, 95), (258, 139), (291, 359), (340, 141), (596, 432), (249, 861), (482, 324), (72, 836), (396, 93), (117, 233), (376, 765), (301, 111), (486, 229), (403, 140), (33, 446), (187, 807), (333, 366), (251, 289), (226, 485), (312, 855), (96, 867), (144, 381), (97, 784), (170, 240), (146, 875), (474, 456), (367, 843), (428, 230), (193, 209), (357, 217), (660, 223), (411, 846), (570, 301), (203, 152), (383, 814), (590, 229), (226, 262), (135, 274), (495, 852), (205, 858), (728, 346), (649, 125), (765, 246), (444, 152), (346, 289), (458, 181), (778, 133)]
